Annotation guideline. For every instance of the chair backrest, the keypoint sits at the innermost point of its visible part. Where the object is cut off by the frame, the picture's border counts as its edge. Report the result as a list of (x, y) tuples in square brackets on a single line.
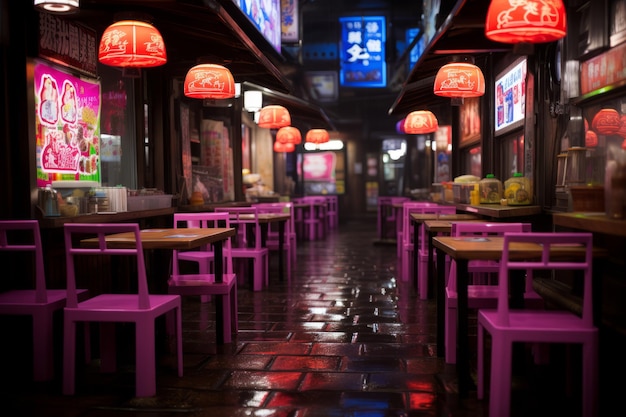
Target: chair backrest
[(423, 207), (280, 207), (487, 228), (205, 219), (556, 251), (24, 236), (478, 229), (75, 232), (246, 221), (333, 202)]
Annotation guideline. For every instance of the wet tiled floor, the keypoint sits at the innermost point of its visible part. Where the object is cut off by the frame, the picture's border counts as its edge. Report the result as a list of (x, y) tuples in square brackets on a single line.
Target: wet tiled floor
[(344, 338)]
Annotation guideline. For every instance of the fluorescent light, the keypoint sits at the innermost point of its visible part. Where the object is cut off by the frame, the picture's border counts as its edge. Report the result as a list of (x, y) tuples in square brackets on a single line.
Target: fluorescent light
[(331, 145)]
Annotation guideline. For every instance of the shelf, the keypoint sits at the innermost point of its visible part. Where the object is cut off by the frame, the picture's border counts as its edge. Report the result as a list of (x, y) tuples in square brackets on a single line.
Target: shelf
[(498, 211), (591, 222)]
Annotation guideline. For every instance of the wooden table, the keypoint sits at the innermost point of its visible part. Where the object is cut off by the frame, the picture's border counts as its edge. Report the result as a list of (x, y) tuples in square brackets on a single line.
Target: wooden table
[(418, 220), (464, 249), (179, 239)]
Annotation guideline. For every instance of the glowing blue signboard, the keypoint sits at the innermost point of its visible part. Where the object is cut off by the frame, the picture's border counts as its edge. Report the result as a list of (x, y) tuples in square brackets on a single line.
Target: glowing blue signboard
[(362, 52)]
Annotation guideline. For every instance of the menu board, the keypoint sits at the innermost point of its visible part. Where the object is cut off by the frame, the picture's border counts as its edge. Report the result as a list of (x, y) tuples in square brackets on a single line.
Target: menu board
[(67, 117)]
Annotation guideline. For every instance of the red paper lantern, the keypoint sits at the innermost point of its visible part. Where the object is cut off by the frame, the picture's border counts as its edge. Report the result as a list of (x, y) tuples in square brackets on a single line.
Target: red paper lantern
[(622, 127), (210, 81), (284, 147), (317, 136), (131, 43), (459, 80), (591, 139), (274, 117), (517, 22), (289, 134), (606, 122), (420, 122)]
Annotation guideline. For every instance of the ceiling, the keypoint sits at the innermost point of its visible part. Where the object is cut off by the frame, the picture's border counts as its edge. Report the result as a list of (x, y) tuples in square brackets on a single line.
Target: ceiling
[(217, 31), (461, 33), (213, 31)]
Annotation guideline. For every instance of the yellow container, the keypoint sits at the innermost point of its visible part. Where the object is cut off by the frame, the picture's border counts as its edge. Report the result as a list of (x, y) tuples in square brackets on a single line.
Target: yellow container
[(518, 190), (490, 189)]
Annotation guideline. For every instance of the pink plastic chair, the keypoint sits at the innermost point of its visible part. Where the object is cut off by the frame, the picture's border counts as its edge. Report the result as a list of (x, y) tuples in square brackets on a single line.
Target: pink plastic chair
[(289, 238), (387, 217), (507, 326), (204, 283), (409, 242), (39, 302), (247, 244), (479, 295), (314, 217), (140, 308), (332, 214), (407, 208)]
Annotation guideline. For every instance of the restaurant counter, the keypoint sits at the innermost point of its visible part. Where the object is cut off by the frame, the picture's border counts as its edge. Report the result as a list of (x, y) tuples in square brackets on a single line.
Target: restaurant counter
[(105, 217)]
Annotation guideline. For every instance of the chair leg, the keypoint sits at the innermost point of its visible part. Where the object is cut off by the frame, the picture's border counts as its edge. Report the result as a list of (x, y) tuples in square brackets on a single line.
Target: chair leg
[(234, 311), (590, 377), (226, 318), (450, 333), (178, 312), (43, 346), (69, 357), (422, 276), (500, 379), (145, 359), (480, 362)]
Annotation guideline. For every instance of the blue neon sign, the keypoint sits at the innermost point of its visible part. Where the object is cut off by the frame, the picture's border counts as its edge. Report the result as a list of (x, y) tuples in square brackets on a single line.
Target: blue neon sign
[(362, 52)]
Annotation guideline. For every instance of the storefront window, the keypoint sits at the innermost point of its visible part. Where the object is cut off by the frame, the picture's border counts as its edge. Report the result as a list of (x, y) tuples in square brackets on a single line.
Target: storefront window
[(117, 127)]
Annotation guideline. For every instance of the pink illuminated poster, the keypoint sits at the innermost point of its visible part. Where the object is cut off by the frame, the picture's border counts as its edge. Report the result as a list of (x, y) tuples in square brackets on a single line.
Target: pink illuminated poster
[(319, 166), (67, 117)]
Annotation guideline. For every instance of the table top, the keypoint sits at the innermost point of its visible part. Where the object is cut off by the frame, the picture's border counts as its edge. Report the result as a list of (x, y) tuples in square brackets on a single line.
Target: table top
[(490, 248), (445, 226), (592, 222), (422, 217), (267, 217), (169, 238)]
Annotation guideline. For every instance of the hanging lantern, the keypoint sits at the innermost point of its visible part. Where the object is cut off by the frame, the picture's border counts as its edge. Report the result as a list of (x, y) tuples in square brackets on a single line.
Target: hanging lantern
[(459, 80), (591, 139), (317, 136), (421, 122), (289, 134), (284, 147), (510, 21), (57, 6), (274, 117), (132, 43), (622, 127), (210, 81), (606, 122)]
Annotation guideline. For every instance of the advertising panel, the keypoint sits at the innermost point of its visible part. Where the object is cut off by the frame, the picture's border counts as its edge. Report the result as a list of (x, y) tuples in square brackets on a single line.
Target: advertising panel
[(362, 51), (510, 99), (67, 117)]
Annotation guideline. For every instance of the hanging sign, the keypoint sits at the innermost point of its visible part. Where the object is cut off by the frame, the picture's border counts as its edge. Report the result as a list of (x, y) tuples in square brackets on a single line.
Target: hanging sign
[(362, 51)]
